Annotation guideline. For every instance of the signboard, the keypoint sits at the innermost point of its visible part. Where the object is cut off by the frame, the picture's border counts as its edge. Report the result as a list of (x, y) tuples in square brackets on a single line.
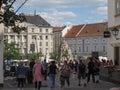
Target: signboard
[(107, 34)]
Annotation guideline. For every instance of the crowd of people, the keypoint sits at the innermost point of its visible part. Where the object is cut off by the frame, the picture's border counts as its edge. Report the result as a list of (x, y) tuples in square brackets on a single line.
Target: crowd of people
[(38, 71)]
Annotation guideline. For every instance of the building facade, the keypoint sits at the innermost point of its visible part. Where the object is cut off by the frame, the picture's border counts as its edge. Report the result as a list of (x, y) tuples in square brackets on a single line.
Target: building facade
[(114, 22), (59, 33), (38, 36), (85, 39)]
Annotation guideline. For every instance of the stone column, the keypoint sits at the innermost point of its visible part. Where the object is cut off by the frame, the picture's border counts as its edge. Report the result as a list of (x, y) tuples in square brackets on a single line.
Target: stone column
[(1, 54)]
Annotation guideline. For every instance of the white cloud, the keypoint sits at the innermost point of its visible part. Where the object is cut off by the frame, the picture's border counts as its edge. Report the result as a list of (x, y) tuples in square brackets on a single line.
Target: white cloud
[(102, 10), (57, 12), (57, 18), (60, 3)]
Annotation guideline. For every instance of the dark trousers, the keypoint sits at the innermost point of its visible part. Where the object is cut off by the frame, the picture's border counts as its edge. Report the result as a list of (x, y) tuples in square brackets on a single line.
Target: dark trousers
[(21, 82), (37, 85), (93, 77), (30, 77), (63, 79), (45, 75)]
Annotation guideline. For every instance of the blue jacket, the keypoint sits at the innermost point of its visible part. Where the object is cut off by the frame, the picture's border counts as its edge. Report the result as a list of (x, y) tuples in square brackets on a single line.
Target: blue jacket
[(21, 70)]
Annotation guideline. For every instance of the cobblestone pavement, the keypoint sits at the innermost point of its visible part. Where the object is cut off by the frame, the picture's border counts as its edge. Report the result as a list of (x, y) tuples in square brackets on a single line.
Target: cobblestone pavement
[(11, 84)]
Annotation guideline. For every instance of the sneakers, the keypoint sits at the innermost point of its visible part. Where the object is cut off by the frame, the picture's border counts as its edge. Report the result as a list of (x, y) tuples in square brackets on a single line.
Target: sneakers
[(97, 81)]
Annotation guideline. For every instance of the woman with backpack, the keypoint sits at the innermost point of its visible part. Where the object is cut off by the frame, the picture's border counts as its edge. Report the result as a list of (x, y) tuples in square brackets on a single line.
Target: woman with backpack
[(81, 73), (65, 74), (21, 75)]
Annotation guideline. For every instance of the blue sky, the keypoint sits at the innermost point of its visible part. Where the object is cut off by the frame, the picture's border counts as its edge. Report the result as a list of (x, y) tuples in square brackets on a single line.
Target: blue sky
[(63, 12)]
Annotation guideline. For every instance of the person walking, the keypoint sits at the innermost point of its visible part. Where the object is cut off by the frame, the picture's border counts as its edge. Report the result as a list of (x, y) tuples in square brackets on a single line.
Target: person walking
[(65, 74), (30, 74), (81, 73), (96, 69), (52, 71), (45, 67), (21, 75), (91, 67), (37, 74)]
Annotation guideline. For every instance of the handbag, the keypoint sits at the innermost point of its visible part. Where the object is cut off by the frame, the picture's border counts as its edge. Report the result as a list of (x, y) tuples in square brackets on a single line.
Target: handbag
[(42, 71)]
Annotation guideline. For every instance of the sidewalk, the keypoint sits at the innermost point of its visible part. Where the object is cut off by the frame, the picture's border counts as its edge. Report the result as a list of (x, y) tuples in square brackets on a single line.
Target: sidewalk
[(11, 84)]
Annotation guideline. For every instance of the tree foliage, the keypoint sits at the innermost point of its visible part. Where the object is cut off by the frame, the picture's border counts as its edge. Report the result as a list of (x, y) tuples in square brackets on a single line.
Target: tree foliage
[(11, 51), (10, 18), (33, 56), (53, 55), (65, 54)]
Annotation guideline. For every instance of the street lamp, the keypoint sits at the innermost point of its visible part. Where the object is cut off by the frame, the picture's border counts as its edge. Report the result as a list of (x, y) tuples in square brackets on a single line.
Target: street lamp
[(115, 32)]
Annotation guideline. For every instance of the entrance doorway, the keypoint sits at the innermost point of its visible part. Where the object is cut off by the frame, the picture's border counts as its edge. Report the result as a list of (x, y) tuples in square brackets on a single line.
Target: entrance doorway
[(117, 55)]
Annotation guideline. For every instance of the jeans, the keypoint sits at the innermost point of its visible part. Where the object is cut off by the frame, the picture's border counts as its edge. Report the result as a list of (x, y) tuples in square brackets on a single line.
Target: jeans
[(52, 80), (21, 82)]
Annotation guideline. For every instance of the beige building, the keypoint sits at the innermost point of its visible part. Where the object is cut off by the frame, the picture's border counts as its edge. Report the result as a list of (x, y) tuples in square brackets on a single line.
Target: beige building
[(58, 41), (114, 24), (37, 38)]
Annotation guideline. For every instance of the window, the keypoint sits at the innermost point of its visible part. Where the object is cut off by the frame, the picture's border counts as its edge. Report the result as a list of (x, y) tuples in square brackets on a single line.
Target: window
[(33, 37), (95, 48), (79, 49), (46, 30), (25, 37), (103, 48), (32, 29), (46, 37), (95, 41), (40, 37), (46, 43), (40, 30), (86, 48), (118, 7)]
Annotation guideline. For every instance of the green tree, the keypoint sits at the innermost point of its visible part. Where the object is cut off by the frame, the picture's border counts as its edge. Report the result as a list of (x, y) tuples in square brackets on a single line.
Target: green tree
[(65, 54), (11, 51), (9, 15), (40, 54), (33, 56), (53, 55)]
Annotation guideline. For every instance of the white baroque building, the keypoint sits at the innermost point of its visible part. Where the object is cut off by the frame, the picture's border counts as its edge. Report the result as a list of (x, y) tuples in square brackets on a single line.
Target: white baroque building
[(38, 37)]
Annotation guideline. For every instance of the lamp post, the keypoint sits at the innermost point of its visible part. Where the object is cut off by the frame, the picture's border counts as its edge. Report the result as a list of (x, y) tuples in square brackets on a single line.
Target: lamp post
[(115, 32)]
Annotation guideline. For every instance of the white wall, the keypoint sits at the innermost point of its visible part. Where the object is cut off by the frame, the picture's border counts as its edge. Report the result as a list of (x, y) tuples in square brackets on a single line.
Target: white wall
[(113, 19), (65, 30)]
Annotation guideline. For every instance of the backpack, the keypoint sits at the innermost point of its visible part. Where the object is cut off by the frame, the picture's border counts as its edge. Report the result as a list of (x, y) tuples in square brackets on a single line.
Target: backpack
[(65, 72), (82, 67)]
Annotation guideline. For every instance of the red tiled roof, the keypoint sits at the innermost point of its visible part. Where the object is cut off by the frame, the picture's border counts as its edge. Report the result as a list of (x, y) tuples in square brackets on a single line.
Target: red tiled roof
[(56, 29), (95, 29), (73, 31)]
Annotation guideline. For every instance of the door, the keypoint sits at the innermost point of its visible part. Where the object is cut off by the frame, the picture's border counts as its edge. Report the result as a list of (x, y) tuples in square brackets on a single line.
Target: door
[(116, 55)]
